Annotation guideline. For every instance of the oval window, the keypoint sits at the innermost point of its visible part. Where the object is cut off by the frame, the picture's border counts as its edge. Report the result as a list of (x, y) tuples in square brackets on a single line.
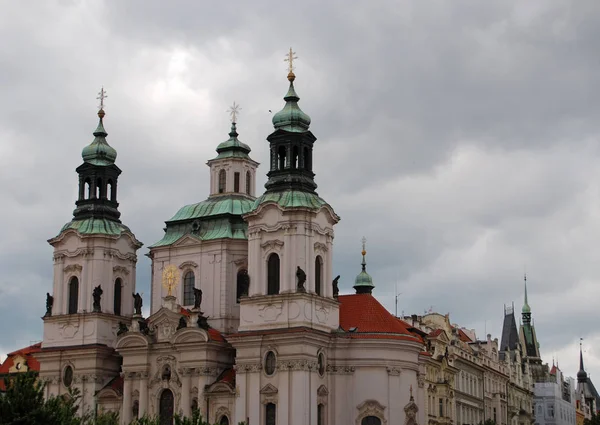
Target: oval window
[(321, 364), (270, 363), (68, 376)]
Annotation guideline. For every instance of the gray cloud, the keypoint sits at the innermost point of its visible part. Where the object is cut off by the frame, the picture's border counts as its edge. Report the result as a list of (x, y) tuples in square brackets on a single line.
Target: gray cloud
[(460, 138)]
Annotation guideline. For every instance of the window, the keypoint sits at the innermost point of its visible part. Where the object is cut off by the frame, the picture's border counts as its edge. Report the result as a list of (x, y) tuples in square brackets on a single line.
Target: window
[(441, 413), (224, 420), (73, 295), (321, 364), (371, 420), (135, 410), (273, 275), (243, 284), (236, 182), (109, 191), (320, 414), (495, 415), (222, 181), (318, 274), (188, 288), (270, 363), (68, 376), (117, 301), (248, 181), (307, 160), (270, 414), (282, 155)]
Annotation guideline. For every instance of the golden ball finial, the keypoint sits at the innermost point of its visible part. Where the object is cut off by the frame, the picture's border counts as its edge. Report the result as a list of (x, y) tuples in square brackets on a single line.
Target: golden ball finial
[(364, 252), (291, 77), (101, 113)]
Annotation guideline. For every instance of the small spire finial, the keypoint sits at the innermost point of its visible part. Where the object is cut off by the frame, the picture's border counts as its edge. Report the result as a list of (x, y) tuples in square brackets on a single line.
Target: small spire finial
[(233, 111), (364, 252), (289, 58), (101, 96)]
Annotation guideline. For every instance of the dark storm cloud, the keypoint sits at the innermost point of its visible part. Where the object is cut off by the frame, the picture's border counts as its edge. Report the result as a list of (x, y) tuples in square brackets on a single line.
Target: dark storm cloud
[(460, 138)]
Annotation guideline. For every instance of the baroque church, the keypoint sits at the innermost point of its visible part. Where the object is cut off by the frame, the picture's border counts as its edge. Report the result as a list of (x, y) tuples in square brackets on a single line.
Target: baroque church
[(246, 323)]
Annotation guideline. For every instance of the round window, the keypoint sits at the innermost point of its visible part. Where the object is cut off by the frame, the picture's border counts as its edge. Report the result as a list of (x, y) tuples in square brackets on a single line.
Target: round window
[(270, 363), (68, 376), (321, 364)]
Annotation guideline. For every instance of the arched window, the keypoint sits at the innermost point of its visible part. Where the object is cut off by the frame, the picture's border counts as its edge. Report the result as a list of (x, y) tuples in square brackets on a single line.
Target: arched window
[(222, 181), (99, 189), (248, 181), (273, 275), (320, 414), (87, 194), (295, 157), (68, 376), (236, 182), (370, 420), (224, 420), (282, 156), (270, 414), (318, 274), (188, 288), (109, 191), (243, 284), (117, 298), (135, 410), (73, 295), (307, 160)]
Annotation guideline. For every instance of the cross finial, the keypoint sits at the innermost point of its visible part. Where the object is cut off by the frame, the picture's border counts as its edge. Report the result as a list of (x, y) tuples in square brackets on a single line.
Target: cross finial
[(289, 58), (101, 96), (364, 243), (234, 110)]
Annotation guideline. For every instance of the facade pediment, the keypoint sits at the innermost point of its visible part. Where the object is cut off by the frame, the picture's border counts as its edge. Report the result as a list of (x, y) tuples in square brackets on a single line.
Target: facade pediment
[(131, 340), (187, 240), (190, 335), (269, 390), (164, 324)]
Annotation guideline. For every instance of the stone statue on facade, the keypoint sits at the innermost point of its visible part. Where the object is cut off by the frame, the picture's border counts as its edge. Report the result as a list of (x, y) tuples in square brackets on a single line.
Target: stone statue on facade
[(144, 327), (49, 304), (336, 289), (137, 304), (197, 298), (122, 328), (202, 322), (96, 295), (182, 323), (301, 279)]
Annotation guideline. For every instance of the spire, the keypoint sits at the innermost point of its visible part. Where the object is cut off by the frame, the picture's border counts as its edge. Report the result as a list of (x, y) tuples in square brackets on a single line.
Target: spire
[(99, 152), (233, 147), (526, 311), (582, 374), (363, 284), (291, 143)]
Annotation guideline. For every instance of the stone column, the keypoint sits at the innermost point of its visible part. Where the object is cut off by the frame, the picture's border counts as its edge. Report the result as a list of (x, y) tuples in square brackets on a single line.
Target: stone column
[(143, 393), (299, 409), (126, 410), (203, 379), (241, 395), (185, 392)]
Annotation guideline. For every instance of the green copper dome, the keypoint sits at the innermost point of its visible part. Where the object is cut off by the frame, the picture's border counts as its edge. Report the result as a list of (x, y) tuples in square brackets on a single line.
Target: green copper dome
[(99, 152), (232, 147), (363, 284), (291, 118)]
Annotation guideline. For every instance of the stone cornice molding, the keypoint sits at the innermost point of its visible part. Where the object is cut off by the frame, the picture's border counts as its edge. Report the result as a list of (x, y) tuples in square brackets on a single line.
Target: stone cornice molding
[(85, 252), (340, 370), (188, 265), (248, 367), (274, 244), (73, 268), (393, 371), (109, 252), (320, 247), (121, 270)]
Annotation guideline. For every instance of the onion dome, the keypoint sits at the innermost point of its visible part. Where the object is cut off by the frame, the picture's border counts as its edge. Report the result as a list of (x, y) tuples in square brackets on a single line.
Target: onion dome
[(99, 152), (363, 284), (291, 118), (233, 147)]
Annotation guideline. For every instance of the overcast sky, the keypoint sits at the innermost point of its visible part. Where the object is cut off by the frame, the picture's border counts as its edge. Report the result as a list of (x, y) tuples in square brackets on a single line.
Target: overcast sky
[(461, 138)]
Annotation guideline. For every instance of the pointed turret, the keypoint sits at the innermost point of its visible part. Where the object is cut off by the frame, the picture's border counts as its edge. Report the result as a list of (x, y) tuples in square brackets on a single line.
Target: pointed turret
[(363, 284), (526, 311), (582, 374)]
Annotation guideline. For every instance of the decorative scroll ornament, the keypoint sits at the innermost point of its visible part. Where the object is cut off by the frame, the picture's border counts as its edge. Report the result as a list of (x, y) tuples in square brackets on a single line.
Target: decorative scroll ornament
[(170, 278)]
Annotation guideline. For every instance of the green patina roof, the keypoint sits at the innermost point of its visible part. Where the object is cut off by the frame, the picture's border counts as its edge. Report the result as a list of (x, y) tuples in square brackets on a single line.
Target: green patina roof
[(233, 147), (96, 226), (218, 205), (292, 198), (209, 220), (99, 152), (291, 118)]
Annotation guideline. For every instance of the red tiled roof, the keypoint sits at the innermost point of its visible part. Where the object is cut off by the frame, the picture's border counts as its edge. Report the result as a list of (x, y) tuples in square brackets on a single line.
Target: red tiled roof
[(553, 370), (185, 312), (27, 353), (227, 376), (425, 353), (371, 319), (215, 335), (463, 336), (435, 333)]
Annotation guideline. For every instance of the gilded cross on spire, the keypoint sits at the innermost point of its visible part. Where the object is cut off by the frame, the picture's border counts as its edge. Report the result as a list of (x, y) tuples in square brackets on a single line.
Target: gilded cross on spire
[(289, 58), (234, 110), (364, 245), (101, 96)]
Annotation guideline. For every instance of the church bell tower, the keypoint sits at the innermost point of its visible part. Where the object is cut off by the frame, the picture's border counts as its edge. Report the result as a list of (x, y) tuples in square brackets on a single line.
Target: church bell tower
[(94, 278)]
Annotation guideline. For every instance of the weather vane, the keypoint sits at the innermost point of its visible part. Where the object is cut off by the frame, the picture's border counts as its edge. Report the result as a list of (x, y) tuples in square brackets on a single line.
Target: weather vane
[(289, 58), (101, 96), (234, 110)]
